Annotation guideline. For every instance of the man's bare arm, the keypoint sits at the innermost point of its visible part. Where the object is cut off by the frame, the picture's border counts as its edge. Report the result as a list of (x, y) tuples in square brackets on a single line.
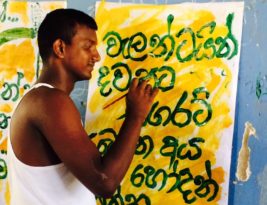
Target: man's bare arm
[(59, 121)]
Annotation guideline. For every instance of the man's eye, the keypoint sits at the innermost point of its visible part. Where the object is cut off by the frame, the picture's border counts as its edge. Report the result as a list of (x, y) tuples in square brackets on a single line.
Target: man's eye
[(87, 47)]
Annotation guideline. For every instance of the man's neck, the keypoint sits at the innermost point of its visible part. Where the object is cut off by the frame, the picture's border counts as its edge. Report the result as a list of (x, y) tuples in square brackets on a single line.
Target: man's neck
[(57, 79)]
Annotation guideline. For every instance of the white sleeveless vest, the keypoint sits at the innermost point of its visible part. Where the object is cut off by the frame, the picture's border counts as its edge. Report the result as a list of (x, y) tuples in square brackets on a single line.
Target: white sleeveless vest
[(48, 185)]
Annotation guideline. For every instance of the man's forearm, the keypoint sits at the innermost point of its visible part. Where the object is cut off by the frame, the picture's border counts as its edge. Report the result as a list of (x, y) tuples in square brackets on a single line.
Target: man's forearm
[(119, 156)]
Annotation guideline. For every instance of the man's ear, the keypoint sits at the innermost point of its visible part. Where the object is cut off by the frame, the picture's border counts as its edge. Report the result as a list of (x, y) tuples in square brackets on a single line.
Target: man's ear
[(59, 48)]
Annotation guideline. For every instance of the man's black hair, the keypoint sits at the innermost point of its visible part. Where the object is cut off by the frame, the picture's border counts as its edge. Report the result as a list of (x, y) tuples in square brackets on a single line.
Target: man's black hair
[(61, 24)]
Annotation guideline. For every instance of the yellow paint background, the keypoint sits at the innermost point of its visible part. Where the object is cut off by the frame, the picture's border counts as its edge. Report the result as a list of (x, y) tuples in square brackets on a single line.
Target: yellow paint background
[(189, 75)]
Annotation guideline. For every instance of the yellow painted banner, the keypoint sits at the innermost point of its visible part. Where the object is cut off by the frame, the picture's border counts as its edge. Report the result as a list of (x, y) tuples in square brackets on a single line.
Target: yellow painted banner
[(20, 64), (191, 53)]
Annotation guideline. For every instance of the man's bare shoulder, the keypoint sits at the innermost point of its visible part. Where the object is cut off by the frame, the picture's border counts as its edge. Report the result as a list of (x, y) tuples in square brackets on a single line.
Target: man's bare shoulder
[(46, 94), (46, 103), (44, 97)]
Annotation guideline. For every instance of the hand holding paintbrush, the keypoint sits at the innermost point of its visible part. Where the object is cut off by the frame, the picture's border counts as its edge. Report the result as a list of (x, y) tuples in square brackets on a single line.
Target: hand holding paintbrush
[(140, 80)]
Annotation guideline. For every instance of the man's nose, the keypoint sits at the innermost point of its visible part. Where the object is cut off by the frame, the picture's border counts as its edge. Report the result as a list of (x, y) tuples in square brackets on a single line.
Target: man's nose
[(97, 56)]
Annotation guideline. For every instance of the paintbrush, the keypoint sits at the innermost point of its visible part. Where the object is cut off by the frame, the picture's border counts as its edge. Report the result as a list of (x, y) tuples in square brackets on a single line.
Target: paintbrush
[(121, 97)]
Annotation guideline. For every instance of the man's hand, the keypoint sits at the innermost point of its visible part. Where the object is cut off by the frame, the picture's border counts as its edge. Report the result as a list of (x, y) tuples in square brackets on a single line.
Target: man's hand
[(139, 99)]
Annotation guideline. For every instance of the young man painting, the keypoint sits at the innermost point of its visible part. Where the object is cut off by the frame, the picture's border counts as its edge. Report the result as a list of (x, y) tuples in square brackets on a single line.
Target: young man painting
[(51, 158)]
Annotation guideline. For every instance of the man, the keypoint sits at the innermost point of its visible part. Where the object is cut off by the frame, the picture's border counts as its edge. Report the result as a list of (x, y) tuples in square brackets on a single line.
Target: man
[(51, 158)]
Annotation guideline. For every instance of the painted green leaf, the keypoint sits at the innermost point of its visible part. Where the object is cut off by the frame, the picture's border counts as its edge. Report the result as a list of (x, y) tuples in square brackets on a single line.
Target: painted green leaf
[(16, 33)]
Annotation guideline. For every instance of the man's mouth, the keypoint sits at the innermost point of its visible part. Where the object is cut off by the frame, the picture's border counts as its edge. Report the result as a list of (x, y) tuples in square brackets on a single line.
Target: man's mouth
[(91, 65)]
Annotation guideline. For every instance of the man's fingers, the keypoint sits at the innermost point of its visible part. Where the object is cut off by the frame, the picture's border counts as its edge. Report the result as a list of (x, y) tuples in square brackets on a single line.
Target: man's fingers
[(148, 89), (154, 92), (134, 83), (142, 84), (144, 87)]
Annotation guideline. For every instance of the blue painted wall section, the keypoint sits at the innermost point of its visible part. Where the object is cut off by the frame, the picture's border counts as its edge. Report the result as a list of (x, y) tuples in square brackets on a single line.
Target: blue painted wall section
[(251, 97)]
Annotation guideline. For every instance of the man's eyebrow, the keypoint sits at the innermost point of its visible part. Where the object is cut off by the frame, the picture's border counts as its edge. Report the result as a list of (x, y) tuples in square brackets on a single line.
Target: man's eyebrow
[(90, 40)]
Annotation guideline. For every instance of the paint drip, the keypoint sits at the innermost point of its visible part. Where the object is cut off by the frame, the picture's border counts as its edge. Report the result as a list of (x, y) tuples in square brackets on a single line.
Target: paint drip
[(243, 165)]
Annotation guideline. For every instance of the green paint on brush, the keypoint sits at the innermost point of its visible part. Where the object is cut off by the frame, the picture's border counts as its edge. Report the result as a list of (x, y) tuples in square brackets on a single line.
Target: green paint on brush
[(16, 33)]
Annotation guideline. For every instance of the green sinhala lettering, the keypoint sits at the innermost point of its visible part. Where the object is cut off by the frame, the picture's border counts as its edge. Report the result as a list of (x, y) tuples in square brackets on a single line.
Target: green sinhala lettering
[(114, 45), (138, 46), (180, 46), (103, 84), (3, 11), (224, 49), (207, 106), (120, 76), (144, 146)]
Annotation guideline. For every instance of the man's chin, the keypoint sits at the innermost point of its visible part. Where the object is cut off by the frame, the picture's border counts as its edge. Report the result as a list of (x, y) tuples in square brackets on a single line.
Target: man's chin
[(84, 77), (88, 77)]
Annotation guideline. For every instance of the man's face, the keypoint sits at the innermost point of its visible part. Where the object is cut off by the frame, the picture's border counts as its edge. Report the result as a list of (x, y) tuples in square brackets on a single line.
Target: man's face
[(81, 55)]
